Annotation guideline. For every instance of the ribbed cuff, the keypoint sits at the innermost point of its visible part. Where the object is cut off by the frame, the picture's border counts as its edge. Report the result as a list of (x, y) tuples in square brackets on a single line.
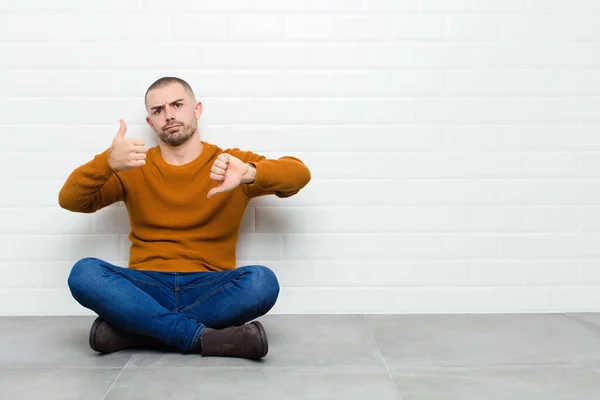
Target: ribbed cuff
[(104, 168)]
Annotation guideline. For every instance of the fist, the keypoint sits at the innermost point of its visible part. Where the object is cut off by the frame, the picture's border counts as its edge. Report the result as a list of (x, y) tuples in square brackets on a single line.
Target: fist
[(125, 154), (229, 171)]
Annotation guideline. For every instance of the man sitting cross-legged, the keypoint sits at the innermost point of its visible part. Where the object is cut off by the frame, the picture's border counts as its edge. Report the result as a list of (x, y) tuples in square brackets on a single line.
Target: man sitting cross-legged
[(185, 199)]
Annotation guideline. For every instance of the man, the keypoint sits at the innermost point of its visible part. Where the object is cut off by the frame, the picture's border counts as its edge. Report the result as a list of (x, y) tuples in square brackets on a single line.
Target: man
[(185, 200)]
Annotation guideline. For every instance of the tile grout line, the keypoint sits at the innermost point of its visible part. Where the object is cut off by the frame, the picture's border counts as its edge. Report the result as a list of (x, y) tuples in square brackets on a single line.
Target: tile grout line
[(382, 359), (113, 384)]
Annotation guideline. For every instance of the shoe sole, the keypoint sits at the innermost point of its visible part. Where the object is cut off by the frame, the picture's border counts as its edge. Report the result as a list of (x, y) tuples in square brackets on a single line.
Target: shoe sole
[(263, 338), (92, 338)]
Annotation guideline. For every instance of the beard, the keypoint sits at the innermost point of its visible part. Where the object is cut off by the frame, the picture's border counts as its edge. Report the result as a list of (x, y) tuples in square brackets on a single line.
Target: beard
[(176, 137)]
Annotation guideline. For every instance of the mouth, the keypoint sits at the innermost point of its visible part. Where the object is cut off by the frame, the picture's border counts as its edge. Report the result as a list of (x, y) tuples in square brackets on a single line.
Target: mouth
[(172, 127)]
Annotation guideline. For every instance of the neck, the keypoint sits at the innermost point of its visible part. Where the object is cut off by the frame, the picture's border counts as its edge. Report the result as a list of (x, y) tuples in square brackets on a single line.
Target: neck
[(184, 153)]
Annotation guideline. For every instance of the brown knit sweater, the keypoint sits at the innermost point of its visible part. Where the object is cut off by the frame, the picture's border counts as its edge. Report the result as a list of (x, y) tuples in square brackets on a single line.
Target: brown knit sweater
[(174, 227)]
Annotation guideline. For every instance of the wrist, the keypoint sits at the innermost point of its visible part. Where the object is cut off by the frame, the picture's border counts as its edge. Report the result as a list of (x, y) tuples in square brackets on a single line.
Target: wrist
[(250, 175)]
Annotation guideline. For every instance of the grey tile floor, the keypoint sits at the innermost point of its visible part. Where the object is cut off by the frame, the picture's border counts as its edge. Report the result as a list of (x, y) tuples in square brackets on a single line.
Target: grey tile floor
[(424, 357)]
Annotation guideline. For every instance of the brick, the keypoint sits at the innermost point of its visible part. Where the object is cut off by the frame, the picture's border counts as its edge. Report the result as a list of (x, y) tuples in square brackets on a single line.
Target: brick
[(58, 247), (445, 6), (524, 299), (554, 6), (551, 219), (175, 7), (34, 275), (506, 110), (58, 27), (499, 55), (497, 273), (419, 27), (551, 273), (589, 218), (588, 272), (36, 302), (433, 55), (226, 5), (391, 5), (308, 27), (499, 83), (83, 111), (499, 6), (386, 246), (254, 27), (334, 5), (417, 83), (277, 55), (575, 299), (496, 219), (43, 220), (538, 246), (280, 6), (252, 83), (199, 27), (226, 55), (35, 193), (362, 28), (562, 55), (551, 165), (259, 246), (32, 166), (34, 6), (579, 83), (111, 220), (327, 55), (366, 219)]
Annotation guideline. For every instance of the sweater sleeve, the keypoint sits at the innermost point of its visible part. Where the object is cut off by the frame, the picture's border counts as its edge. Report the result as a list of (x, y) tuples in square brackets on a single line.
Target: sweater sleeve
[(92, 186), (283, 177)]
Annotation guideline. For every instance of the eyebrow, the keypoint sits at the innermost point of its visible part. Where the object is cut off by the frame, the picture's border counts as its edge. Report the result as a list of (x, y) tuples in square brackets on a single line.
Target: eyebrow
[(173, 102)]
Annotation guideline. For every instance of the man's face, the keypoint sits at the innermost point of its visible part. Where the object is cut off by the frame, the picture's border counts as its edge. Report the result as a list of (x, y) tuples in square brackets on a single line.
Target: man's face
[(173, 113)]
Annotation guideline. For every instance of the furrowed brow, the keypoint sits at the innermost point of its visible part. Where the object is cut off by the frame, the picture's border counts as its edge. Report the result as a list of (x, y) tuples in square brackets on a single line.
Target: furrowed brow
[(173, 102)]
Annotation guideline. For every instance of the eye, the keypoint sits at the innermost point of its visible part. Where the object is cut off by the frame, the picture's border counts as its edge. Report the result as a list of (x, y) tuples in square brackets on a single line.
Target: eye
[(157, 111), (178, 105)]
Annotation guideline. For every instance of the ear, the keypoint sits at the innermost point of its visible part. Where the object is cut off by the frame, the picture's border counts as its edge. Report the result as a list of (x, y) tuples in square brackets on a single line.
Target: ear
[(198, 110), (149, 121)]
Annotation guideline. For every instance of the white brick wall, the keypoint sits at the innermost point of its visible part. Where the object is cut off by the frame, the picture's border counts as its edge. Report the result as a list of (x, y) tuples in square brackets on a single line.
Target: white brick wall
[(454, 144)]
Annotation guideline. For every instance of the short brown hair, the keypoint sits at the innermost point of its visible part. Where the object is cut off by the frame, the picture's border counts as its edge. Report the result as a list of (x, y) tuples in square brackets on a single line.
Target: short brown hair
[(167, 80)]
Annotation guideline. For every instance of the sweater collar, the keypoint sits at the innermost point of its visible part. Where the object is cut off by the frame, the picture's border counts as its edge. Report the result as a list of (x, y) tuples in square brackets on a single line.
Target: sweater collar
[(208, 151)]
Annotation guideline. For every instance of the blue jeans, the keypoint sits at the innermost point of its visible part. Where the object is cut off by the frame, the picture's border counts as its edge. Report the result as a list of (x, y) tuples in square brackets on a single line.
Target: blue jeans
[(173, 307)]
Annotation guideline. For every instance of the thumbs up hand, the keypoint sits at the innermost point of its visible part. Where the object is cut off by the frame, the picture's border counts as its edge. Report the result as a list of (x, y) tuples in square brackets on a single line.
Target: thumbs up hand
[(125, 154)]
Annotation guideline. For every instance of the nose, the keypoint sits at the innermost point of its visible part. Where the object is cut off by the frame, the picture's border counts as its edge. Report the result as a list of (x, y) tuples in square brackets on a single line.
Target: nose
[(169, 113)]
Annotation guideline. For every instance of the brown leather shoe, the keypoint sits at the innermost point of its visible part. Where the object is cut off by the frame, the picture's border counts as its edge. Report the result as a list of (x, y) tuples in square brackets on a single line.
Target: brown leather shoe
[(105, 338), (246, 341)]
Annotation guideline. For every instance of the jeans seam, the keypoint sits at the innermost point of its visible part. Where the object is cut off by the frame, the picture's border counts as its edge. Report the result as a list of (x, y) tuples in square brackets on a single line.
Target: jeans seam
[(206, 297), (239, 271), (201, 284), (139, 280)]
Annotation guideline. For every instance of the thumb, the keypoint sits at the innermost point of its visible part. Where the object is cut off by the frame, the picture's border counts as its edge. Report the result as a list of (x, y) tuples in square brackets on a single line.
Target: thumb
[(122, 128), (215, 190)]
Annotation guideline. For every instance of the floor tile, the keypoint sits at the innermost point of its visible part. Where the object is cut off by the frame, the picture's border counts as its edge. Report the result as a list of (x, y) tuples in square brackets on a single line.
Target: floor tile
[(251, 384), (500, 383), (483, 339), (83, 384), (589, 319), (294, 341), (52, 342)]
